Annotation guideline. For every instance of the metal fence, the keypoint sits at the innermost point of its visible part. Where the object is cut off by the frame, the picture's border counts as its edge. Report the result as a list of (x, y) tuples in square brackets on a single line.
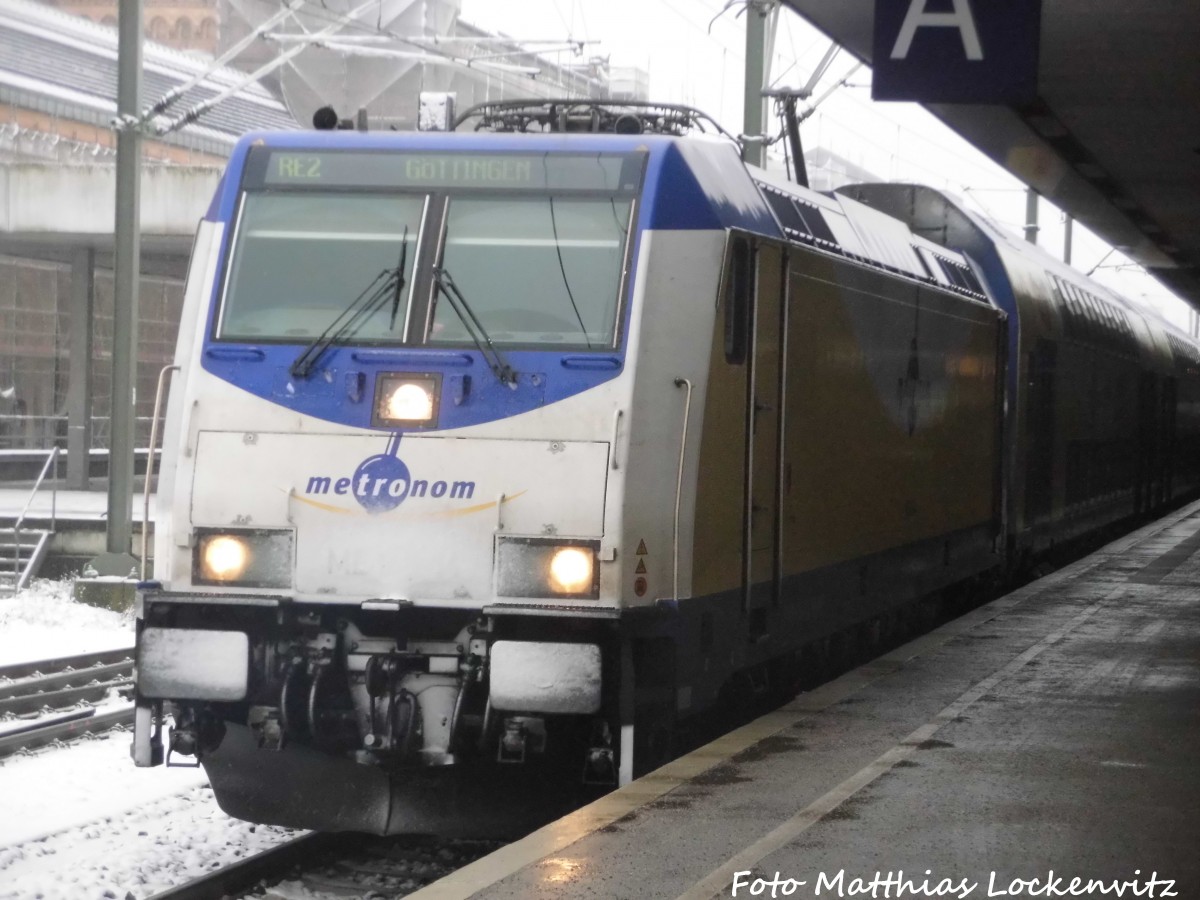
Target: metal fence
[(19, 432)]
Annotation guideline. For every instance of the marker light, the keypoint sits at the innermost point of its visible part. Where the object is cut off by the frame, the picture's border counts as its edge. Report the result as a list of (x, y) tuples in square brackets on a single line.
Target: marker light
[(224, 557), (406, 400), (243, 557), (571, 570)]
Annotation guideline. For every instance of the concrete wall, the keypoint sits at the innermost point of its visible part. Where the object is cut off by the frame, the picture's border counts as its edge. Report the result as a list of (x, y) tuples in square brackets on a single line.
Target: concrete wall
[(38, 200)]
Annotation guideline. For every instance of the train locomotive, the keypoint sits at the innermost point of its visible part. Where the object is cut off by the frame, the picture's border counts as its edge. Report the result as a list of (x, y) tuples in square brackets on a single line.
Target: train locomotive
[(503, 452)]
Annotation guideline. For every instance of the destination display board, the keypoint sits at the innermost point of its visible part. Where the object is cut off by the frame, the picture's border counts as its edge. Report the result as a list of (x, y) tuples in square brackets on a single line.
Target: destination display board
[(611, 173)]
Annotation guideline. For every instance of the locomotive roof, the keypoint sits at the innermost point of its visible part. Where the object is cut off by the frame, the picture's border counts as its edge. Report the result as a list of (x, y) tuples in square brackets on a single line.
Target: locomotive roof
[(698, 181)]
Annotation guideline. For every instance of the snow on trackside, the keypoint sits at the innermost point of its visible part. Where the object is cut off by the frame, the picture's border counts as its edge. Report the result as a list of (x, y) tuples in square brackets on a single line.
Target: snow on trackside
[(44, 621), (81, 821), (87, 780), (135, 853)]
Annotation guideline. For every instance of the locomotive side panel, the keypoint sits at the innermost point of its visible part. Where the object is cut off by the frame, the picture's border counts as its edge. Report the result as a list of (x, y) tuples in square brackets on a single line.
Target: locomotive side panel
[(720, 482), (892, 423), (174, 474), (887, 484), (672, 320)]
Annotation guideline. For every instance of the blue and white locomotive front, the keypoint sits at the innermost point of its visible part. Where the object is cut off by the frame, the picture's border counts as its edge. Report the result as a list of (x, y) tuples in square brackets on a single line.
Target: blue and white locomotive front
[(395, 526)]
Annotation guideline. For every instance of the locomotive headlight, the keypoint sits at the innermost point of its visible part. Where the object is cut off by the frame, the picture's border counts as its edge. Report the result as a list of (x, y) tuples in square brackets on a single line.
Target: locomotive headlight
[(547, 567), (571, 570), (406, 400), (243, 558), (224, 557)]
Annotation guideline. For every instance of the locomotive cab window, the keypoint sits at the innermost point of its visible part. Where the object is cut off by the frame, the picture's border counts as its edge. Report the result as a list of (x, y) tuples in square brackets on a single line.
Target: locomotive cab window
[(300, 258)]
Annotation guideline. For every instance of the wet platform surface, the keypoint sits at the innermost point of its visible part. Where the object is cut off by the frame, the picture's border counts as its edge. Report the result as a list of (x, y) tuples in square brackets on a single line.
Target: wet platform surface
[(1051, 734)]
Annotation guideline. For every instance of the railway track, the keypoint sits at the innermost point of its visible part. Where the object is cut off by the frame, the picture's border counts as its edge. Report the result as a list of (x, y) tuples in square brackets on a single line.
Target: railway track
[(344, 865), (54, 699)]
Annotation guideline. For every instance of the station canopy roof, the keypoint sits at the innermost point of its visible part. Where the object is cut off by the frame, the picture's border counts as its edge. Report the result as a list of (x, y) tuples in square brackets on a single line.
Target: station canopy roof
[(1113, 137)]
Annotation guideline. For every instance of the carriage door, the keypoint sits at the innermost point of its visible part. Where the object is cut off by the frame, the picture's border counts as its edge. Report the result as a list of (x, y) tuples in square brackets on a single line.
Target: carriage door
[(762, 524), (1167, 438), (1149, 416), (1039, 432)]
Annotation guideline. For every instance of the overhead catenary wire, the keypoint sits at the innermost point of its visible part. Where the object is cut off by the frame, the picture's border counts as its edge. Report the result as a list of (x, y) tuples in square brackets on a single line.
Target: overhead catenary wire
[(201, 108), (425, 57), (433, 44), (172, 96)]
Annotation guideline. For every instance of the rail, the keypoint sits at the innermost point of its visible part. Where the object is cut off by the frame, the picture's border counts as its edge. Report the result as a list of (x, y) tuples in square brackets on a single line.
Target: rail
[(271, 865), (51, 460), (61, 685), (158, 395)]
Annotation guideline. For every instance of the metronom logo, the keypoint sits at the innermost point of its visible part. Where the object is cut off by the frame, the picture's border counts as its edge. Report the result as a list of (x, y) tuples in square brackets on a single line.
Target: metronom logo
[(383, 482)]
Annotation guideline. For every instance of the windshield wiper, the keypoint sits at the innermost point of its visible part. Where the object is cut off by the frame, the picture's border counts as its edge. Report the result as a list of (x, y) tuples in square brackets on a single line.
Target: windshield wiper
[(495, 360), (562, 267), (388, 283), (399, 278)]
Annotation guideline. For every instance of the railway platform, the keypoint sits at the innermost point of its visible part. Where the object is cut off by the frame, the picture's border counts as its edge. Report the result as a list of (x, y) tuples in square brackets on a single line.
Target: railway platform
[(79, 521), (1043, 745), (72, 507)]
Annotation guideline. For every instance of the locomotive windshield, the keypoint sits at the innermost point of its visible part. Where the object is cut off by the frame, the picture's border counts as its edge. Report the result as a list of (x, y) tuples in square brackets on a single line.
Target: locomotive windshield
[(536, 242), (300, 258), (536, 269)]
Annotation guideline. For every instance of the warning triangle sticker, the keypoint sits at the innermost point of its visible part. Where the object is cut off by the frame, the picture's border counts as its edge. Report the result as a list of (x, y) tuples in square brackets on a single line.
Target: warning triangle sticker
[(641, 550), (641, 568)]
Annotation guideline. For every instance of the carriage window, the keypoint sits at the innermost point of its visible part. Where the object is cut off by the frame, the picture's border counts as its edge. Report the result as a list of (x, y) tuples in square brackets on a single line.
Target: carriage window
[(301, 258), (534, 269)]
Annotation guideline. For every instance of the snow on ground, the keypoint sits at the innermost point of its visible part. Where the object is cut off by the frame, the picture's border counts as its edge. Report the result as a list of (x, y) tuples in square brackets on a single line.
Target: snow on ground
[(81, 821), (44, 621), (82, 782), (133, 852)]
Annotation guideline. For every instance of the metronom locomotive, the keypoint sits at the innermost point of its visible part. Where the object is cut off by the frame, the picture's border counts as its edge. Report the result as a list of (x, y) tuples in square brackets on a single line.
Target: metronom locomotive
[(490, 450)]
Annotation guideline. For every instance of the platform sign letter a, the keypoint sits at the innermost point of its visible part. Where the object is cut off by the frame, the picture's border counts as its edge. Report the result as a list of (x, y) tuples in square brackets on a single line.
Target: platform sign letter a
[(919, 16), (956, 51)]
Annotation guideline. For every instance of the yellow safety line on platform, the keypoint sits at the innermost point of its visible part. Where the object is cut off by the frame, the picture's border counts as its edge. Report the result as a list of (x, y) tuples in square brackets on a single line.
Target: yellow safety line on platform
[(720, 880), (556, 836)]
